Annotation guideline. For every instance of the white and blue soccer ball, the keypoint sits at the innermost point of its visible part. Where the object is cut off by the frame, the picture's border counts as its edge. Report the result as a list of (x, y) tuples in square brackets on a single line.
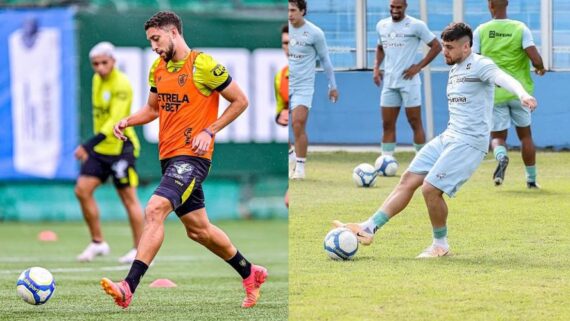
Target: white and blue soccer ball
[(35, 285), (341, 244), (386, 165), (364, 175)]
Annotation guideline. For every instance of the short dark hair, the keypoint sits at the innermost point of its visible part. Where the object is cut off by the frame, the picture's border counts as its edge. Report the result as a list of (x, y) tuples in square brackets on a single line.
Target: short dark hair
[(457, 30), (301, 4), (162, 19), (285, 28)]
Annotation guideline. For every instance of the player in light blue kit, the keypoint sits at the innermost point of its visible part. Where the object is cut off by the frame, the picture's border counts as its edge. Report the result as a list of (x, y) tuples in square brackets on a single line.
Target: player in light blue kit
[(399, 37), (450, 159), (306, 44)]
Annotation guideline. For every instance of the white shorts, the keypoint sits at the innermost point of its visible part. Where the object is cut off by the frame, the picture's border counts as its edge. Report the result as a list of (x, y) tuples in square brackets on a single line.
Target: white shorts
[(447, 163), (408, 96), (298, 97), (506, 112)]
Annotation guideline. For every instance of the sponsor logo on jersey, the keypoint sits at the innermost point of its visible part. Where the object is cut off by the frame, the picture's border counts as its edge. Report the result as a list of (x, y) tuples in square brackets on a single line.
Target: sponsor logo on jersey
[(171, 102), (457, 100), (219, 70), (494, 34), (188, 135), (182, 79)]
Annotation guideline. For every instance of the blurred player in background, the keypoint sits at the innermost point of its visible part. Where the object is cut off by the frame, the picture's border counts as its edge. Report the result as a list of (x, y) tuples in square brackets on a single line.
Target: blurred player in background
[(509, 44), (399, 37), (104, 155), (185, 86), (450, 159), (282, 99), (307, 43)]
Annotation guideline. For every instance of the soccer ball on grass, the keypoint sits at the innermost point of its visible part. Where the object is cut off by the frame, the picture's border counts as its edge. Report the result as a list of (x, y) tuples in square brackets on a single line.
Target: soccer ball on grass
[(35, 285), (341, 244)]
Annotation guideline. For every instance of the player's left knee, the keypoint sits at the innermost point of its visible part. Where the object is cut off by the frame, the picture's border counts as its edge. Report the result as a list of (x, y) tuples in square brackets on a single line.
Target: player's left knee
[(201, 235), (429, 190)]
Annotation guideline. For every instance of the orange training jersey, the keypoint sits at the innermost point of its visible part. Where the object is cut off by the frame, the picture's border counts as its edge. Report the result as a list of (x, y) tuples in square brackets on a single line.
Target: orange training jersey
[(282, 90), (184, 110)]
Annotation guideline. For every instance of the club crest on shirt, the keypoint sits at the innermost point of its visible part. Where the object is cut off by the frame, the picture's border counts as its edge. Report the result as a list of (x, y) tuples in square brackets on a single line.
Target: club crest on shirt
[(182, 79), (219, 70)]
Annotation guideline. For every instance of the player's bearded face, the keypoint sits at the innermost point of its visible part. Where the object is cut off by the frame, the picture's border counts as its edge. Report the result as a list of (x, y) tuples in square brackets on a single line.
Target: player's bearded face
[(169, 52), (397, 10), (452, 52)]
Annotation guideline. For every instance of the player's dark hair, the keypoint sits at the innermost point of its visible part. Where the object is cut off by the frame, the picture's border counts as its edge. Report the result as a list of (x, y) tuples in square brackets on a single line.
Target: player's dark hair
[(285, 28), (162, 19), (457, 30), (301, 4)]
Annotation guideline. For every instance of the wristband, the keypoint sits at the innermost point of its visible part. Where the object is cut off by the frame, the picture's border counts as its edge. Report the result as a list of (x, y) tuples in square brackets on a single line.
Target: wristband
[(209, 132)]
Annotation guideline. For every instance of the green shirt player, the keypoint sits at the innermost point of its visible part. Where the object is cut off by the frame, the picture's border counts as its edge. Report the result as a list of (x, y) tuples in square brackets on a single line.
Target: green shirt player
[(509, 44), (105, 155)]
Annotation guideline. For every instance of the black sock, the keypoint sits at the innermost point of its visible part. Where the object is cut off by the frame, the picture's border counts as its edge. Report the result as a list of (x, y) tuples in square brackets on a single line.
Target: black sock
[(138, 269), (96, 242), (240, 264)]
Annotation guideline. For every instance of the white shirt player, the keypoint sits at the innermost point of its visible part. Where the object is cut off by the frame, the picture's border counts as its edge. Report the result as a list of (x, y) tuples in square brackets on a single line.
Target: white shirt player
[(36, 101), (470, 95), (306, 43), (400, 41)]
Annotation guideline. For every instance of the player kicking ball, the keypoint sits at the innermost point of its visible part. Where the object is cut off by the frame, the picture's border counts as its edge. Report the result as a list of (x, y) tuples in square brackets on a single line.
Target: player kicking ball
[(450, 159)]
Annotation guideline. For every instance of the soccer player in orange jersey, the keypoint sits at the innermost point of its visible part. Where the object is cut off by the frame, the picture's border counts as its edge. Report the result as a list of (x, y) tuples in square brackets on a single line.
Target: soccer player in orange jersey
[(184, 94)]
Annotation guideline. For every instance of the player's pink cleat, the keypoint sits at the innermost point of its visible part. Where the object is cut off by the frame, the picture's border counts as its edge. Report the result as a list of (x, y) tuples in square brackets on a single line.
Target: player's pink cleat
[(120, 291), (252, 285)]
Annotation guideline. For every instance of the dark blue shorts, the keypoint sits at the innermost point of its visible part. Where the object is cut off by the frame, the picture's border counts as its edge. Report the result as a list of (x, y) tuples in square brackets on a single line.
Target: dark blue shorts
[(121, 167), (181, 182)]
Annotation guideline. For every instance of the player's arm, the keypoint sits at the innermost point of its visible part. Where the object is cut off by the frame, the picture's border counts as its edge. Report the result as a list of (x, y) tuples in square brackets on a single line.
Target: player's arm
[(323, 53), (531, 51), (238, 104), (145, 115), (536, 60), (434, 49), (379, 57), (506, 81), (214, 77)]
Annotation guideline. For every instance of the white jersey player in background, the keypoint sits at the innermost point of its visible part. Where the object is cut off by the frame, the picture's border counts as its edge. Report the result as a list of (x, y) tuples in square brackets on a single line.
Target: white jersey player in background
[(399, 37), (450, 159), (306, 43)]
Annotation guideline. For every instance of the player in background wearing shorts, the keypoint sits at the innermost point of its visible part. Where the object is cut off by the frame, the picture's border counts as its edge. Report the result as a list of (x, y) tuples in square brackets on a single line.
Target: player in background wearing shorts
[(399, 37), (185, 86), (510, 45), (307, 42), (105, 155), (449, 160)]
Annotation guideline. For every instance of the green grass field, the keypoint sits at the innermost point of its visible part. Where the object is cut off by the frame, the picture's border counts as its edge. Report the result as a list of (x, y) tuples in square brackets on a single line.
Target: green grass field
[(208, 288), (510, 245)]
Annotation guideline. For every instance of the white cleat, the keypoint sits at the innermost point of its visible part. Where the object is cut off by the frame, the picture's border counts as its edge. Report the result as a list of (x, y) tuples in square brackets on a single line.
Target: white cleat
[(298, 175), (92, 250), (292, 164), (129, 257), (363, 238), (433, 251)]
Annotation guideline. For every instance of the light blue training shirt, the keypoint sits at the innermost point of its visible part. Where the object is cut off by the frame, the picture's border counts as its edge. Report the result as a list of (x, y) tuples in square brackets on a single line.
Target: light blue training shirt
[(306, 43), (470, 96), (400, 41)]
